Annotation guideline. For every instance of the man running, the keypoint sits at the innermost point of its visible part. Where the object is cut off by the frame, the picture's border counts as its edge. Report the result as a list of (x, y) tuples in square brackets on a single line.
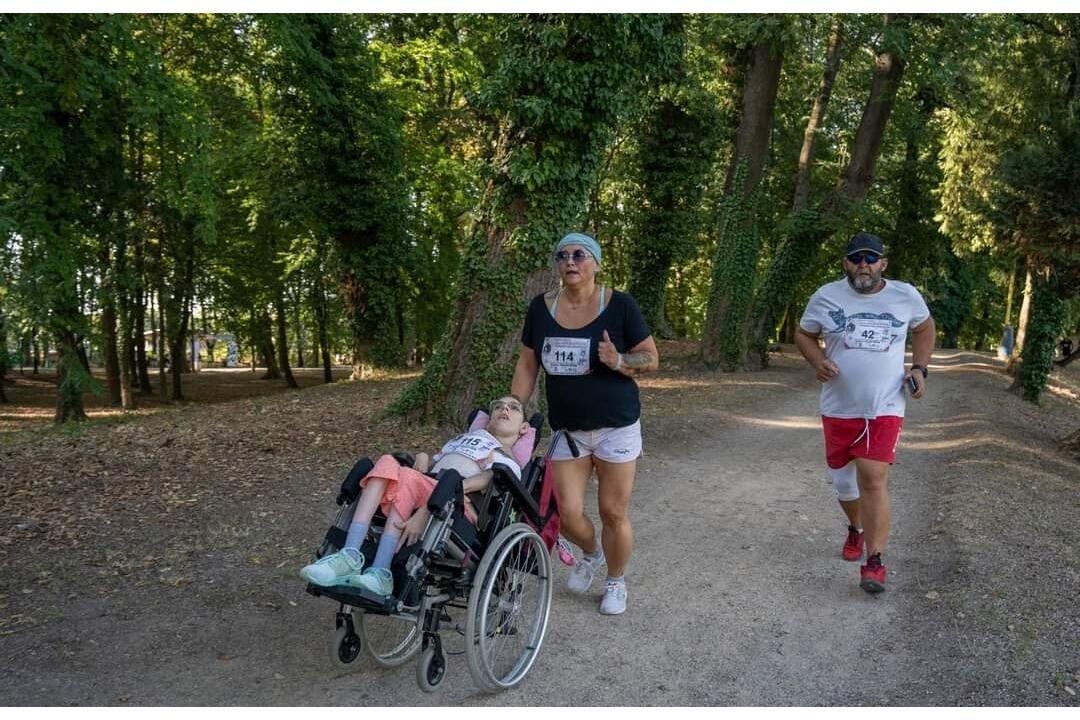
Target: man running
[(865, 320)]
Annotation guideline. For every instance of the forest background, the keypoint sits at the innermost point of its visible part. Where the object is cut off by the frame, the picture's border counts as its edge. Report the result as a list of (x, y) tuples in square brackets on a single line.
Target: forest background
[(385, 190)]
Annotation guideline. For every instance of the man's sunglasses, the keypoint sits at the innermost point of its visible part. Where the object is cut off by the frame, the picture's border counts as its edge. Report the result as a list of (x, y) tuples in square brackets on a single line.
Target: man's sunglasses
[(578, 256), (869, 258), (508, 404)]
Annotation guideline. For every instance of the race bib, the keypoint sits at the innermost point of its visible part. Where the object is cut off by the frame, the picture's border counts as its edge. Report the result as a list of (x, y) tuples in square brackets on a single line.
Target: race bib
[(868, 334), (475, 446), (566, 356)]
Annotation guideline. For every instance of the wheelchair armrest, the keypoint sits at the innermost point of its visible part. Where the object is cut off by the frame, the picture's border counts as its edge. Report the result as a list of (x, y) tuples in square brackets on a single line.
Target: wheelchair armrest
[(448, 487), (350, 488)]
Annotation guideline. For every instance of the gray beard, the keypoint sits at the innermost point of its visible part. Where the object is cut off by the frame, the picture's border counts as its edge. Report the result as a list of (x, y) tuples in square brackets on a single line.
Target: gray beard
[(862, 284)]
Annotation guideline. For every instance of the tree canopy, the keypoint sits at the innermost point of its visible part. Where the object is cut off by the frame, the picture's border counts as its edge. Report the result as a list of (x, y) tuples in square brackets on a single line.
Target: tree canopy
[(384, 190)]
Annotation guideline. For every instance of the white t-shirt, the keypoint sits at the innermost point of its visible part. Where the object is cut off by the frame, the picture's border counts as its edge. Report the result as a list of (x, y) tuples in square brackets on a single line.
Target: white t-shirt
[(865, 336), (468, 454)]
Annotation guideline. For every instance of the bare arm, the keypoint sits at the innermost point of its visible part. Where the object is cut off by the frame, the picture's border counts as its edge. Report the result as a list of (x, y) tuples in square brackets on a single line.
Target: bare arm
[(824, 368), (922, 342), (643, 357), (922, 347)]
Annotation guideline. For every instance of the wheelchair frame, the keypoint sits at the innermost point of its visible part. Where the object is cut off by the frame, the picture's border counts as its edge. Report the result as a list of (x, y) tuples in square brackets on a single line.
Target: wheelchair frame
[(490, 572)]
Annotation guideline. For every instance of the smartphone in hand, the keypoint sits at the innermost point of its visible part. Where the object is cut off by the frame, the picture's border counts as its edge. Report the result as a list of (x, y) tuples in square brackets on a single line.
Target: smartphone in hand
[(912, 385)]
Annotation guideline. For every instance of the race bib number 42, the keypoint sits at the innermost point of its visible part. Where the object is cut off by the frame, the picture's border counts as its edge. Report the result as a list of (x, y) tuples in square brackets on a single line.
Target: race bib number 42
[(566, 356), (868, 334)]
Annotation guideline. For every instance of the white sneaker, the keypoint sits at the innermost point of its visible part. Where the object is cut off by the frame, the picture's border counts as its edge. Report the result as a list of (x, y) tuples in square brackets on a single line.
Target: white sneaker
[(614, 602), (581, 577), (375, 579), (334, 568)]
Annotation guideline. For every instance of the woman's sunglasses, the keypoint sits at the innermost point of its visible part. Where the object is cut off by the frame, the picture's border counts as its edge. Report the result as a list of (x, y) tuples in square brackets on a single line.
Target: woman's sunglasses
[(578, 256)]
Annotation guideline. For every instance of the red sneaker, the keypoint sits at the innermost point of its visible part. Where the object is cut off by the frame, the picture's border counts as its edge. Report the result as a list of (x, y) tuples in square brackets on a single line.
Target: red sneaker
[(853, 546), (872, 575)]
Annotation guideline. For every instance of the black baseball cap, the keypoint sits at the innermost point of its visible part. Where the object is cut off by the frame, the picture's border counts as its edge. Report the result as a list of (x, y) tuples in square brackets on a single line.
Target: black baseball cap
[(865, 242)]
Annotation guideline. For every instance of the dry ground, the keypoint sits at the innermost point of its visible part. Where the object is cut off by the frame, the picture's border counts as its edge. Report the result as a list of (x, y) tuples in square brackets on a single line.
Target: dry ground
[(153, 560)]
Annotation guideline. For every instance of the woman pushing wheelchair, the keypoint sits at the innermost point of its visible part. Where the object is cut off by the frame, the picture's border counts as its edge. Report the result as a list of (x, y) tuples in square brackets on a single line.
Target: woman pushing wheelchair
[(591, 340)]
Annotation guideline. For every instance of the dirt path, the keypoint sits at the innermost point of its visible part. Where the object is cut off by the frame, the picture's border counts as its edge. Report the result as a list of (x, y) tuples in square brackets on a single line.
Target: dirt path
[(185, 592)]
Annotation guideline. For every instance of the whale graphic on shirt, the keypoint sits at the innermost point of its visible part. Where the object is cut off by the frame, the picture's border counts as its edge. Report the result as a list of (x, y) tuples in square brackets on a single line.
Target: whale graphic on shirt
[(841, 320)]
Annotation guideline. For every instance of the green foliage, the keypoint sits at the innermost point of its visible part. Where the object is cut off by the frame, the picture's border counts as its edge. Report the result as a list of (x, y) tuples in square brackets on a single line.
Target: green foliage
[(677, 148), (348, 165), (1043, 333), (555, 87), (732, 288)]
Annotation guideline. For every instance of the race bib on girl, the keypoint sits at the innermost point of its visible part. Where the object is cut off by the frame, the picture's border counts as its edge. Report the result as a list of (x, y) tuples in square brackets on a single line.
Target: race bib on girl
[(868, 334), (476, 446), (566, 356)]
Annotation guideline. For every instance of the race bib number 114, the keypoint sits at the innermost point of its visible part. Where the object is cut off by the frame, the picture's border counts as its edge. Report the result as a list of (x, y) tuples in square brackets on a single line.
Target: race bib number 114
[(566, 356)]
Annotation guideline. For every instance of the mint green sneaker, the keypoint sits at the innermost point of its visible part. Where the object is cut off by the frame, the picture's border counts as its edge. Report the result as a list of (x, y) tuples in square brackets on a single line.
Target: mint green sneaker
[(332, 569), (375, 579)]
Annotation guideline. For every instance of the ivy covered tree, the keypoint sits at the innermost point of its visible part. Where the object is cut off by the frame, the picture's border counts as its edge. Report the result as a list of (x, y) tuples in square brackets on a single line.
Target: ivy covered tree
[(738, 241), (676, 149), (555, 87)]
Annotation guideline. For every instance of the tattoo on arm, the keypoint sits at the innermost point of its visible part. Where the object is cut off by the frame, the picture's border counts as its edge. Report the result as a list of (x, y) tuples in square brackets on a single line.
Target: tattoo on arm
[(633, 363)]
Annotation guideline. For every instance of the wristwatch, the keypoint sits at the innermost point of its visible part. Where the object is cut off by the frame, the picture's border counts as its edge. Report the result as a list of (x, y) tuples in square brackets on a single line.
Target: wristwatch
[(919, 367)]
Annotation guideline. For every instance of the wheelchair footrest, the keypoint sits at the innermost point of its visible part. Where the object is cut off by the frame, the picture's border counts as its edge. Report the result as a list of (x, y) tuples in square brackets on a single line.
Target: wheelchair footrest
[(356, 597)]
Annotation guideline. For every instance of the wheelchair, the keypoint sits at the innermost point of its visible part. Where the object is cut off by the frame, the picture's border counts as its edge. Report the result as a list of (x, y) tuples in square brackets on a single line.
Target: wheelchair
[(499, 572)]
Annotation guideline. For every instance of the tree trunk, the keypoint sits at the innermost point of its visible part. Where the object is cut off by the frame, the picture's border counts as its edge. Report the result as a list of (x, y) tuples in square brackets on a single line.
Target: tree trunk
[(283, 340), (3, 356), (108, 326), (467, 355), (142, 297), (674, 163), (1048, 311), (300, 344), (810, 228), (37, 351), (319, 304), (158, 320), (1022, 322), (69, 374), (1011, 292), (264, 339), (731, 290), (817, 116)]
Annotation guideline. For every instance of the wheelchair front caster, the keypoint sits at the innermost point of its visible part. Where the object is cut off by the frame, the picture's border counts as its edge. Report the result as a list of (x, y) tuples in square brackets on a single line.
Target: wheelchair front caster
[(432, 669), (345, 644)]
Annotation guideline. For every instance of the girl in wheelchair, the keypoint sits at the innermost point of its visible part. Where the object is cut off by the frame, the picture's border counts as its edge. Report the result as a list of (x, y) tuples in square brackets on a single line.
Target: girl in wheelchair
[(402, 493)]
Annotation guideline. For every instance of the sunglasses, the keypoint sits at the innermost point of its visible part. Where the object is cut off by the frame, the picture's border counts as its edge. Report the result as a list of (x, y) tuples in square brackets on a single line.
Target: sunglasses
[(512, 405), (578, 256), (869, 258)]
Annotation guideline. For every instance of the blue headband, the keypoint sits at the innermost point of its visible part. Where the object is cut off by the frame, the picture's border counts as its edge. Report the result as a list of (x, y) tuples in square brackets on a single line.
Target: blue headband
[(583, 240)]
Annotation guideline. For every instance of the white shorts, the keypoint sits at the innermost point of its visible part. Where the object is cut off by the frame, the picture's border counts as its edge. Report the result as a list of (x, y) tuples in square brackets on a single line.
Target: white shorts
[(613, 445)]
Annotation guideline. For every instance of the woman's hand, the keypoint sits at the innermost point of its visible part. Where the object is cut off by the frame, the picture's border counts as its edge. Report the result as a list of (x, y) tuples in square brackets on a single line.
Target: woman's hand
[(608, 354)]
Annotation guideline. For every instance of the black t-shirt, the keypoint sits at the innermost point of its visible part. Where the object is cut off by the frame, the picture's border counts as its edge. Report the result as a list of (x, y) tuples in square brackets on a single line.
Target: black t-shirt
[(582, 392)]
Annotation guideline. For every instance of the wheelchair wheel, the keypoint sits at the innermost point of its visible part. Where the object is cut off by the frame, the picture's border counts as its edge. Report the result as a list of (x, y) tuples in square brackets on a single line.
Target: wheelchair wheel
[(431, 670), (345, 647), (389, 640), (508, 608)]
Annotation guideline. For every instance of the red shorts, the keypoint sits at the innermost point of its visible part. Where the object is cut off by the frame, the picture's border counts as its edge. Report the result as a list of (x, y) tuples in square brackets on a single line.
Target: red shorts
[(406, 489), (850, 438)]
